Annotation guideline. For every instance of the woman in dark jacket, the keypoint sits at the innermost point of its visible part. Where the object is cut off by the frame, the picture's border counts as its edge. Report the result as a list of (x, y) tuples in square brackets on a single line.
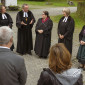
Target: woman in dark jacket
[(81, 51), (43, 35), (66, 29), (5, 20), (60, 71)]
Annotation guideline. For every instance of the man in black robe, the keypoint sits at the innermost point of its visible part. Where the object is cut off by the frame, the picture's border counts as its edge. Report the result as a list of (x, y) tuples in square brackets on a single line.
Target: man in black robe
[(5, 20), (24, 22)]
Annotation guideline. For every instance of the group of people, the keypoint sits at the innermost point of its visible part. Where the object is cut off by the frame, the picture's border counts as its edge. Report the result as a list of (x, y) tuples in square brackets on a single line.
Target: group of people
[(59, 72), (13, 70)]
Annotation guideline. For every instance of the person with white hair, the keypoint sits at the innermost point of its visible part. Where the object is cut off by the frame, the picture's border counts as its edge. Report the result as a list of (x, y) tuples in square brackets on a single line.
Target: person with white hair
[(65, 29), (12, 66)]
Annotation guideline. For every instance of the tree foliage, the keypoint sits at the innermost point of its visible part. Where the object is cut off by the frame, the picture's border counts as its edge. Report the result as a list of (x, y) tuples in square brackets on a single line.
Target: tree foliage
[(81, 9)]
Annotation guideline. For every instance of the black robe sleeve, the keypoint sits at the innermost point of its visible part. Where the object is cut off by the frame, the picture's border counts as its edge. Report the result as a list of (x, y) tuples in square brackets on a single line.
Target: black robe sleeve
[(10, 21), (81, 33), (18, 21), (32, 17), (70, 29), (58, 31)]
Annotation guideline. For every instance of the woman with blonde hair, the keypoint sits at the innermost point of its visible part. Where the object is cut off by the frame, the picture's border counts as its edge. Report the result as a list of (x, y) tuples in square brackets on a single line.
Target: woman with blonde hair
[(60, 71), (66, 29)]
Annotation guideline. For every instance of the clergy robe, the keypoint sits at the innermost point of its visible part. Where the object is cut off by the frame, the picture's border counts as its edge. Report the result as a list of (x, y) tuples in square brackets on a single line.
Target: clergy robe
[(6, 22), (66, 29), (24, 37), (43, 41)]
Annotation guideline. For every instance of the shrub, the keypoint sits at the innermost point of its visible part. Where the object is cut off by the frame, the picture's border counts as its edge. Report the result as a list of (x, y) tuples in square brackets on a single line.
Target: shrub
[(13, 8)]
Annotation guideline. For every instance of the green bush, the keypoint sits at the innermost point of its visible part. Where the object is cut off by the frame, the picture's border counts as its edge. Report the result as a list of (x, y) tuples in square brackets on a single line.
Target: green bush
[(13, 8)]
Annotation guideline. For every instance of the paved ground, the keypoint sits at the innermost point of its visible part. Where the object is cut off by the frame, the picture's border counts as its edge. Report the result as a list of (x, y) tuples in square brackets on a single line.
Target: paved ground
[(34, 65)]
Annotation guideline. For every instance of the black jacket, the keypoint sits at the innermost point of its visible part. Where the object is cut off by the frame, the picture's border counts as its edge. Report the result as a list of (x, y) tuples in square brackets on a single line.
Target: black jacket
[(47, 77)]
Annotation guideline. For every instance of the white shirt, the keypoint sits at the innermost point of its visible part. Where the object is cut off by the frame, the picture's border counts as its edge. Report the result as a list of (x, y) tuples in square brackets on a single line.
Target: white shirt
[(65, 19), (4, 47), (25, 14), (4, 16)]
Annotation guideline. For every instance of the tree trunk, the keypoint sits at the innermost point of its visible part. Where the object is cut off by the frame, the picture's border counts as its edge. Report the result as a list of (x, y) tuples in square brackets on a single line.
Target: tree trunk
[(3, 2), (81, 9)]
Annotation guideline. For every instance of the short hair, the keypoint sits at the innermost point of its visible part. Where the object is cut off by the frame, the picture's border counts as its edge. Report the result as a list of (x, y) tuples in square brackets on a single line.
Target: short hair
[(1, 8), (24, 5), (59, 58), (67, 11), (5, 35)]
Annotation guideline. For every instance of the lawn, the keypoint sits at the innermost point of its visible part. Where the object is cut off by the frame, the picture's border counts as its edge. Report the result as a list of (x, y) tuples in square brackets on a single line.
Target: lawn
[(79, 22), (60, 3)]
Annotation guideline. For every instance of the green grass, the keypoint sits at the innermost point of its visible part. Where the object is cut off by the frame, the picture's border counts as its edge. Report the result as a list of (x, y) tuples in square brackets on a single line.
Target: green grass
[(55, 3), (79, 22)]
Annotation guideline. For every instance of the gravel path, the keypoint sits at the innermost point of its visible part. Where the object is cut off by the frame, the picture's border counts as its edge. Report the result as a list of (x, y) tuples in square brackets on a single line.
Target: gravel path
[(34, 65)]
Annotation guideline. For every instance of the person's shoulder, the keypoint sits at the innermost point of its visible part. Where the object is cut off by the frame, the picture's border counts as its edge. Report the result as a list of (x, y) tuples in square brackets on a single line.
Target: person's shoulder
[(7, 14), (16, 56), (30, 11), (50, 20), (20, 12), (39, 19), (61, 18), (84, 26), (70, 18), (47, 72)]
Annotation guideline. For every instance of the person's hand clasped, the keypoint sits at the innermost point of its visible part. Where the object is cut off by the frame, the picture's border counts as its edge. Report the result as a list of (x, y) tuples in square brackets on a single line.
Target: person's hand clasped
[(23, 23), (40, 31), (61, 36), (82, 42)]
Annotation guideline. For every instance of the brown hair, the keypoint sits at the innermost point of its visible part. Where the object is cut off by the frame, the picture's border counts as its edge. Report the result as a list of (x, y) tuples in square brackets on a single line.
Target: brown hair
[(59, 58), (46, 13)]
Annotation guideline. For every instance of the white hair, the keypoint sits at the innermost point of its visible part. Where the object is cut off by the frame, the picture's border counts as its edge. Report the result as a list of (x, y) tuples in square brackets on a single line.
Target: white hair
[(5, 34), (67, 11)]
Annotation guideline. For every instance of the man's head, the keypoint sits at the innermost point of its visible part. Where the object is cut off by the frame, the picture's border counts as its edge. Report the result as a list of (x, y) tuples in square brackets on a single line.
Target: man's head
[(25, 7), (6, 36)]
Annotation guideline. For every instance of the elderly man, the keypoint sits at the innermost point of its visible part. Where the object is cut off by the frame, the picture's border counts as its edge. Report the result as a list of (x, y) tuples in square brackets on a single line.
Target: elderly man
[(12, 67), (24, 22)]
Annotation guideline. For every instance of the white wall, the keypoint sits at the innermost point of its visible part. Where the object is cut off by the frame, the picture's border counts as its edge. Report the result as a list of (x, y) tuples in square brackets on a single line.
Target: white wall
[(10, 2)]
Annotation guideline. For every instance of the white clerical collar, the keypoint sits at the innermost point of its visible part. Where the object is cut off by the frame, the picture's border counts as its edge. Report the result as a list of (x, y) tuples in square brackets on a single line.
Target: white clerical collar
[(65, 19), (4, 47), (4, 16), (25, 14)]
